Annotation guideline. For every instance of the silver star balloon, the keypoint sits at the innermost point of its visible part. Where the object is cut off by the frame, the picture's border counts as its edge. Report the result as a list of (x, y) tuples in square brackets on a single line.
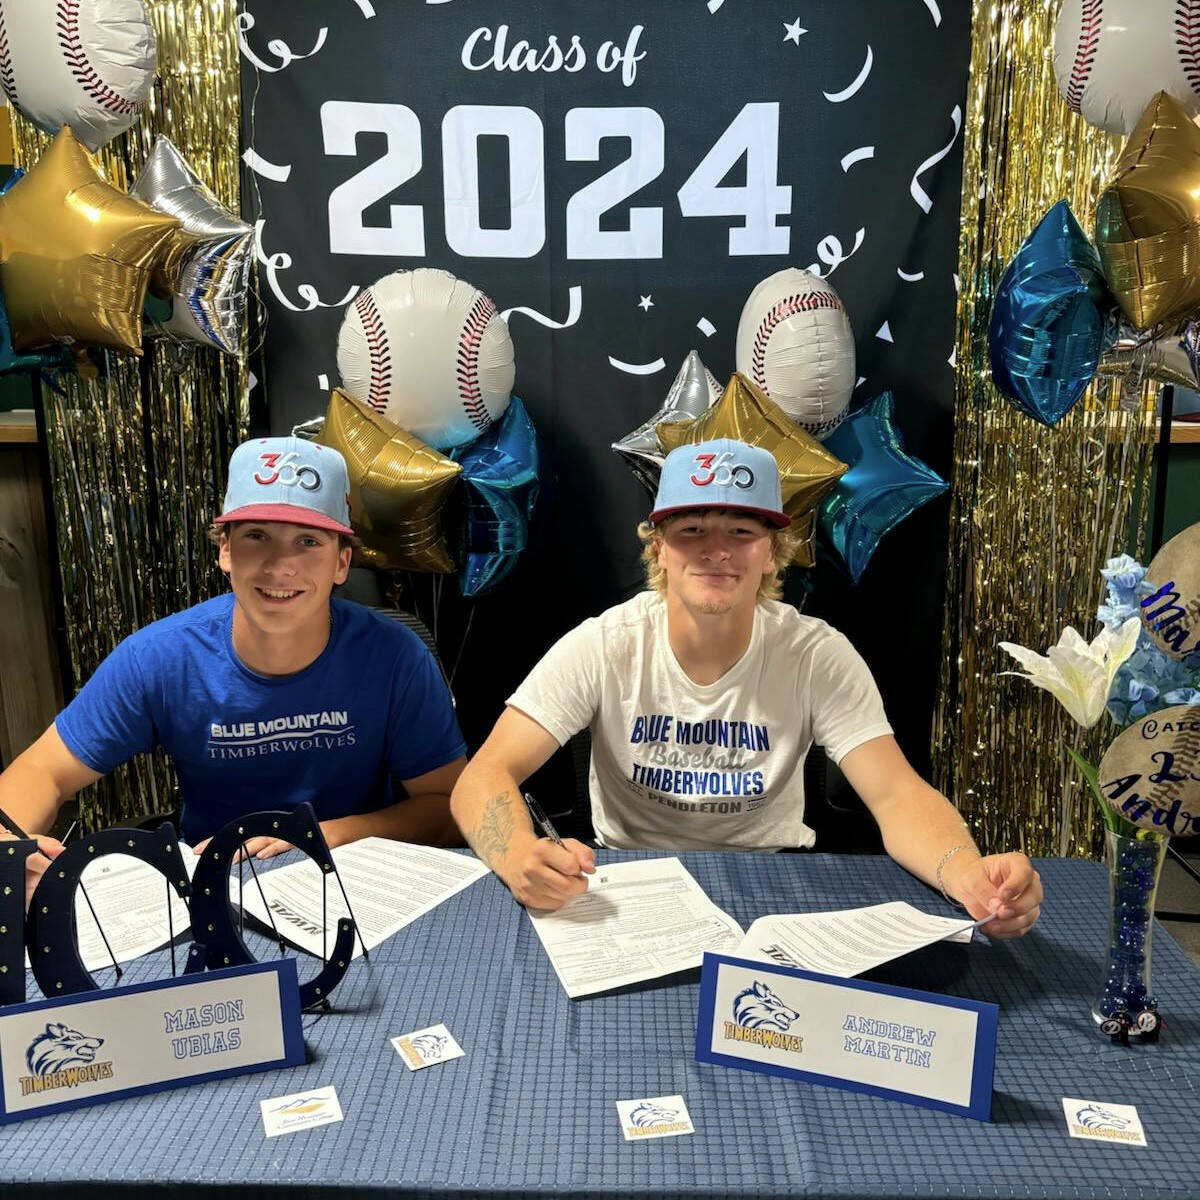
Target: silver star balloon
[(1135, 357), (694, 391), (311, 429), (206, 274)]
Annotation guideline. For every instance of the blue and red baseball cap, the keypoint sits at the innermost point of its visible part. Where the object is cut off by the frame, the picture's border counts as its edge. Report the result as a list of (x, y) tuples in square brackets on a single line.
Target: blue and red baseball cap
[(288, 479), (722, 473)]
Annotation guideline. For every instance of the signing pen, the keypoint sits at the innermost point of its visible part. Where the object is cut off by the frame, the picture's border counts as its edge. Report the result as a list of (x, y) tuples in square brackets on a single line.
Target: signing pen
[(542, 820)]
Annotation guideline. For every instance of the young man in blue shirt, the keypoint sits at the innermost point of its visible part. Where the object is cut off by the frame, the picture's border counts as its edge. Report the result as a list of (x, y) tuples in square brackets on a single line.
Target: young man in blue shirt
[(270, 695)]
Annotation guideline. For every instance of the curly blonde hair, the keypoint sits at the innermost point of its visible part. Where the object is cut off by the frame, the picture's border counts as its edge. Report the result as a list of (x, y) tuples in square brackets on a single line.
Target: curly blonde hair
[(784, 548)]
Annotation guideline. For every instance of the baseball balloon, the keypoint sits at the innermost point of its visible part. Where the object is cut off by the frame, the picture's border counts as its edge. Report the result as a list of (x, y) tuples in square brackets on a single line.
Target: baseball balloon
[(90, 66), (431, 353), (794, 342), (1112, 56)]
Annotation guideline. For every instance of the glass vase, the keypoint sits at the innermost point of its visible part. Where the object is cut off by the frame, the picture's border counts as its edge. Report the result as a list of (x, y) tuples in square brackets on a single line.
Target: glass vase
[(1134, 866)]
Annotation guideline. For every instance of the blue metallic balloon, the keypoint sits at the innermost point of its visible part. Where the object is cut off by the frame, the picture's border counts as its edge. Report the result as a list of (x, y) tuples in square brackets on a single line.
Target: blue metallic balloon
[(881, 488), (500, 480), (1052, 319)]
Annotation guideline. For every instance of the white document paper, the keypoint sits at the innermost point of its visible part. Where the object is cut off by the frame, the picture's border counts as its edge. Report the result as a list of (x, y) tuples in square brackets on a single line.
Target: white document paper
[(637, 921), (390, 885), (130, 900), (850, 941)]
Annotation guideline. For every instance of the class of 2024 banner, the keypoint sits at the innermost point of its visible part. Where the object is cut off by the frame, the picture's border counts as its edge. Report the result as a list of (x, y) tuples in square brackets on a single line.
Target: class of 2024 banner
[(618, 177)]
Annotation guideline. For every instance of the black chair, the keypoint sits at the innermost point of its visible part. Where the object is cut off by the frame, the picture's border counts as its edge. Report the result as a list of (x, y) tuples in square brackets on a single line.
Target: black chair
[(833, 810)]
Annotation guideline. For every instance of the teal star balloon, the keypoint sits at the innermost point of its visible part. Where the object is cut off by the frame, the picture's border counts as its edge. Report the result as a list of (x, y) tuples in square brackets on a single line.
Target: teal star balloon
[(500, 475), (883, 485)]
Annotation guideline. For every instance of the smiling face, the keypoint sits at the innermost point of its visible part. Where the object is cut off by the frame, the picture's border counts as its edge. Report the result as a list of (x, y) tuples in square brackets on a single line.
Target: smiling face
[(714, 559), (282, 575)]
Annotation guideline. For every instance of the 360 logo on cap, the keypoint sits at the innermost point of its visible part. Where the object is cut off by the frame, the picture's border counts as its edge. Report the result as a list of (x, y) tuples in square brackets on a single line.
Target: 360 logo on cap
[(283, 470), (722, 473), (717, 468)]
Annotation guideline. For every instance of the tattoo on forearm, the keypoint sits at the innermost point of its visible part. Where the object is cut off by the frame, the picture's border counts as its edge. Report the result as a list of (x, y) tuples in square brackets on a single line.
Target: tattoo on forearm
[(490, 837)]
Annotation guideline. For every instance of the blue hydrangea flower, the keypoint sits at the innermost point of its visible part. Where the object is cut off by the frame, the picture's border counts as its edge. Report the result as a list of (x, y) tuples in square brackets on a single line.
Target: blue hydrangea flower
[(1148, 680)]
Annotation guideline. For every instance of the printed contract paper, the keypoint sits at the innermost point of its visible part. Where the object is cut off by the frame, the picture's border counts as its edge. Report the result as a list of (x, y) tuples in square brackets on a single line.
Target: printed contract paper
[(390, 885), (850, 941), (130, 898), (637, 921)]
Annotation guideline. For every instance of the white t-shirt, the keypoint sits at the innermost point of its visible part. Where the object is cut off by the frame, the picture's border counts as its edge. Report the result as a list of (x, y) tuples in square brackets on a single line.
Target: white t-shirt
[(677, 765)]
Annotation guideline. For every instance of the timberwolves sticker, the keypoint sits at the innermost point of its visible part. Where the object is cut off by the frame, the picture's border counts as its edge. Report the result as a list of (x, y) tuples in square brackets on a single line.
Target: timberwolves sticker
[(654, 1117), (426, 1047)]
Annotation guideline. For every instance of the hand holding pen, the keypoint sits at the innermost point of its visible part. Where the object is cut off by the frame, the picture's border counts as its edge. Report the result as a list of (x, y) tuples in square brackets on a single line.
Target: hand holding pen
[(548, 871), (36, 865)]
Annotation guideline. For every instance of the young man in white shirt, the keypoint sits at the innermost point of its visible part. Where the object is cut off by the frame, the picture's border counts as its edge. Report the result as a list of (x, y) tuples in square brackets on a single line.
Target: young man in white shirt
[(703, 696)]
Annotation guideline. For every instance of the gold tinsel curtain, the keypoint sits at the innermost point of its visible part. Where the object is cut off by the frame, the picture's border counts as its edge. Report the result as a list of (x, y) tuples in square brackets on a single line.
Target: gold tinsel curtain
[(1035, 511), (137, 460)]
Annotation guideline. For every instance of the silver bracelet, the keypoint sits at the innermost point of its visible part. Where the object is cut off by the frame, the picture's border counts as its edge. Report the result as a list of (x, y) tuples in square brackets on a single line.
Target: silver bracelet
[(941, 866)]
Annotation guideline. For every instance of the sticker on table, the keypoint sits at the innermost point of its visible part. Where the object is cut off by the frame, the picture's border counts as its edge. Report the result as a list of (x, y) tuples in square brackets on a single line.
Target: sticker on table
[(1103, 1122), (655, 1117), (303, 1110), (427, 1047)]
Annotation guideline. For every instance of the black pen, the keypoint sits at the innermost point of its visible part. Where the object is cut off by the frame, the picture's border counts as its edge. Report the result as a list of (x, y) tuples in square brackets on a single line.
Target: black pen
[(541, 819), (12, 826)]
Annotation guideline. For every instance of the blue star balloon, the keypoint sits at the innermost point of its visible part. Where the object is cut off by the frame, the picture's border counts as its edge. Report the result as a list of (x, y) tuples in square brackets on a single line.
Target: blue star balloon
[(1052, 318), (881, 488), (500, 477)]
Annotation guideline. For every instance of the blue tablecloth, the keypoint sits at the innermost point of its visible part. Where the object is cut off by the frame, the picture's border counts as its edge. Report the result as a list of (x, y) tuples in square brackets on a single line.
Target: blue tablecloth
[(529, 1111)]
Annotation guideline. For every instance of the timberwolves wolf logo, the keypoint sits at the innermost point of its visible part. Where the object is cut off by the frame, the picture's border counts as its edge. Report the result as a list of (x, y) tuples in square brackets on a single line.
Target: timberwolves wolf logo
[(759, 1008), (430, 1045), (59, 1048), (63, 1058), (1095, 1116), (648, 1115), (761, 1018)]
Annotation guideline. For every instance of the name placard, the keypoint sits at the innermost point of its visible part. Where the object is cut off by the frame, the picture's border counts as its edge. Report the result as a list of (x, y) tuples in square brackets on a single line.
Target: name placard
[(97, 1046), (918, 1047)]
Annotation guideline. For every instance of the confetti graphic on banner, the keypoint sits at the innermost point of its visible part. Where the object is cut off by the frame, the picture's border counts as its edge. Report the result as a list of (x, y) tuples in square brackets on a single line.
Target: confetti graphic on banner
[(556, 157), (854, 88)]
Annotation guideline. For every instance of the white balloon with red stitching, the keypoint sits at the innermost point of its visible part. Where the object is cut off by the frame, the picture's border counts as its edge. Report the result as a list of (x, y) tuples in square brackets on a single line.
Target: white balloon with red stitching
[(89, 64), (794, 341), (1111, 57), (431, 353)]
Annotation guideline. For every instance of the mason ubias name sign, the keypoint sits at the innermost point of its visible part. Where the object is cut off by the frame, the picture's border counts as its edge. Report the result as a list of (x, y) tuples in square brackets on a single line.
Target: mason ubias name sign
[(62, 1054)]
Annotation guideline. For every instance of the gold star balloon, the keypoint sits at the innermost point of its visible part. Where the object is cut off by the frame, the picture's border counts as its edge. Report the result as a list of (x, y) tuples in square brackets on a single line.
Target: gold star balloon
[(398, 487), (76, 253), (1148, 219), (807, 471)]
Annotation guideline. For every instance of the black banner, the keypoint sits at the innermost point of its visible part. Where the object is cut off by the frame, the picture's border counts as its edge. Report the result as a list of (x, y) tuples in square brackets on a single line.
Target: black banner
[(618, 177)]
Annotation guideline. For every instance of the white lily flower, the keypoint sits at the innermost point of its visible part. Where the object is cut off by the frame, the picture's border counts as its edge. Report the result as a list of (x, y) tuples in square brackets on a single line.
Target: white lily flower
[(1077, 674)]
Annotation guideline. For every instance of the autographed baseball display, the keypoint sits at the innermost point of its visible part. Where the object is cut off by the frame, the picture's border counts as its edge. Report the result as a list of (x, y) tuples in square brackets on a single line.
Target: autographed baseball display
[(1171, 613), (1112, 56), (431, 353), (1151, 773), (90, 66), (795, 343)]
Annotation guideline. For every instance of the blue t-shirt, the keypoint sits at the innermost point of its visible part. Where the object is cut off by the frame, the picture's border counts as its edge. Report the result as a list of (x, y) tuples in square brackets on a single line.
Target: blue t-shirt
[(373, 705)]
